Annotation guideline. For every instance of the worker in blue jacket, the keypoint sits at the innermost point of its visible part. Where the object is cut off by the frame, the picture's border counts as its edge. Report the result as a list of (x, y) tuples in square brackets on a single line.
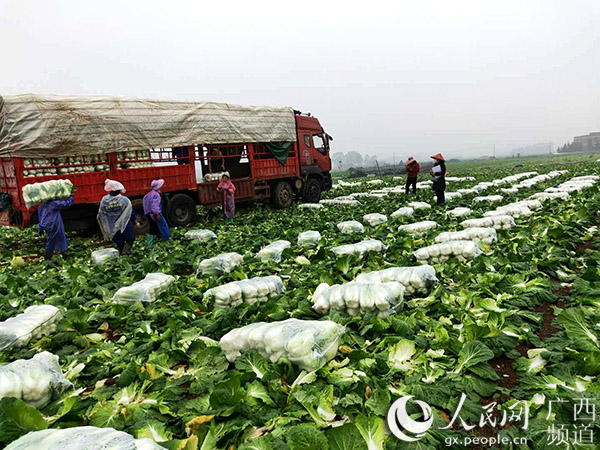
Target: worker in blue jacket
[(50, 222)]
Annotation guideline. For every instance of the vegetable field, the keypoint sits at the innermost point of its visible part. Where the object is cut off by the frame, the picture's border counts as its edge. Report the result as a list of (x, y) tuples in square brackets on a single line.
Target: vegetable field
[(505, 309)]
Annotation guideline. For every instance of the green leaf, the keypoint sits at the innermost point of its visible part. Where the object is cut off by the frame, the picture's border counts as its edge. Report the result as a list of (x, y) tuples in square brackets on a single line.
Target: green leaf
[(305, 437), (18, 418), (471, 354), (573, 321), (345, 437), (372, 430), (379, 401)]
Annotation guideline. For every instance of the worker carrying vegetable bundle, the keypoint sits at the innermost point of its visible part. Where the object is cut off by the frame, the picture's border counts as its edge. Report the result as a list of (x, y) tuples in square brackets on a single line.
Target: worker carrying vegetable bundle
[(412, 172), (153, 210), (227, 190), (116, 216), (438, 173), (50, 222)]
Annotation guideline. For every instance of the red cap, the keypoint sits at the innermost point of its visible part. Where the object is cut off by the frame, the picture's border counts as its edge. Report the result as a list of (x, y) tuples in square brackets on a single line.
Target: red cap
[(438, 156)]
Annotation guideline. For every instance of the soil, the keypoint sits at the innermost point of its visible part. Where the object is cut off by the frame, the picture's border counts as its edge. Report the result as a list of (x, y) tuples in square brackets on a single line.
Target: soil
[(546, 309), (585, 246), (503, 368)]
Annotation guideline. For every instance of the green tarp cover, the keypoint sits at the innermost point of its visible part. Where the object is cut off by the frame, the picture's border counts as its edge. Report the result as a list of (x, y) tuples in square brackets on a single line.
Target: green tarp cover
[(280, 150)]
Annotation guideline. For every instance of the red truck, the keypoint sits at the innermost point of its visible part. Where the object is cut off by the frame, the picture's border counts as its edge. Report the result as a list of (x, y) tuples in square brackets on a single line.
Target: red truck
[(271, 153)]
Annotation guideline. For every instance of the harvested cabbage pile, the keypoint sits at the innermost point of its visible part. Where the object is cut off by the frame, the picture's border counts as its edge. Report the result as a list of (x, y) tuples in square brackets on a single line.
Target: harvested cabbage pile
[(104, 255), (451, 195), (309, 238), (351, 227), (467, 191), (510, 190), (220, 264), (37, 193), (419, 205), (36, 321), (35, 381), (512, 210), (377, 181), (258, 289), (444, 251), (310, 206), (543, 196), (200, 235), (273, 251), (476, 234), (488, 199), (355, 298), (340, 202), (418, 228), (309, 344), (405, 211), (375, 219), (498, 222), (459, 212), (146, 290), (213, 177), (360, 248), (415, 279)]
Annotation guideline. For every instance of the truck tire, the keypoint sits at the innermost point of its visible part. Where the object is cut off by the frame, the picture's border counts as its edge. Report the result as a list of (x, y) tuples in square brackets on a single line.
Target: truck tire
[(312, 191), (182, 211), (282, 195), (144, 227)]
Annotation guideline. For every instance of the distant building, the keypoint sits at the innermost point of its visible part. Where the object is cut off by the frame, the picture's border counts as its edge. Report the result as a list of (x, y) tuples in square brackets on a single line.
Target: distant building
[(542, 148), (588, 142)]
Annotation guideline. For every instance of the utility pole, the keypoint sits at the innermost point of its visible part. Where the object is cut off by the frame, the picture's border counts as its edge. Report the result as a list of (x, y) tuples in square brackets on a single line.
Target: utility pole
[(494, 151)]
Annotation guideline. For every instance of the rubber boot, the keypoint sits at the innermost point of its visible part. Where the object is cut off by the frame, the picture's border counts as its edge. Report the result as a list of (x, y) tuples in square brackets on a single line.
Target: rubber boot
[(149, 240)]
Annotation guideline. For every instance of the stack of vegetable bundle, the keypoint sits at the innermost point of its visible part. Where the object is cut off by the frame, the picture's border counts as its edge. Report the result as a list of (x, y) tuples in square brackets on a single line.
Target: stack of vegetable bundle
[(359, 194), (377, 181), (360, 248), (254, 290), (375, 219), (310, 206), (355, 298), (146, 290), (213, 177), (350, 227), (488, 199), (509, 190), (513, 210), (498, 222), (377, 195), (405, 211), (309, 238), (104, 255), (419, 205), (415, 279), (444, 251), (273, 251), (37, 193), (467, 191), (451, 195), (532, 204), (200, 235), (482, 186), (418, 228), (35, 380), (309, 344), (36, 321), (342, 202), (476, 234), (220, 264), (543, 196), (459, 212)]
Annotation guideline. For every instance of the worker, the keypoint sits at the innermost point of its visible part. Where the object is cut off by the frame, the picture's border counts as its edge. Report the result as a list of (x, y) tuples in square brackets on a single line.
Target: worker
[(438, 173), (116, 216), (217, 160), (412, 172), (50, 222), (227, 190), (153, 210)]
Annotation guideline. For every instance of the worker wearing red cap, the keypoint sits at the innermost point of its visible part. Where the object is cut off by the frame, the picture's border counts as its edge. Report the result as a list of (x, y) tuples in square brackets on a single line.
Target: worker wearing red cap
[(438, 173)]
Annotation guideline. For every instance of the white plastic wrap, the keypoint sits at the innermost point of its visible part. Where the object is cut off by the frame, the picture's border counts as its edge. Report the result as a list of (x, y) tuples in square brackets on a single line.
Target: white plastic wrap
[(309, 344), (357, 298), (209, 177), (359, 194), (351, 227), (418, 228), (310, 206), (451, 196), (36, 321), (375, 182), (482, 186), (37, 193), (309, 238), (459, 212), (258, 289), (220, 264), (510, 190), (378, 196), (543, 196), (512, 210), (375, 219), (488, 199), (405, 211), (532, 204), (467, 191), (444, 251), (104, 255), (485, 235), (200, 235), (342, 202), (35, 380), (146, 290), (460, 178), (360, 248), (273, 251), (419, 205), (498, 222), (415, 279)]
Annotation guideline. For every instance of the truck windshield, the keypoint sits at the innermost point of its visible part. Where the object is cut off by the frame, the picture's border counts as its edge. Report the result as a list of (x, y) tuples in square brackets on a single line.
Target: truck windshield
[(319, 143)]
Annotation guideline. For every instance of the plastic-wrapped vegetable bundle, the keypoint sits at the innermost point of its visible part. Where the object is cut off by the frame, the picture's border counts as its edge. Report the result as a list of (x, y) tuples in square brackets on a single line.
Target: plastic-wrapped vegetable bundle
[(82, 438), (35, 380), (374, 181), (273, 251), (482, 186), (213, 177), (254, 290), (200, 235), (459, 212), (467, 191), (509, 190), (37, 193), (460, 178), (485, 235), (356, 298), (452, 195), (419, 205), (415, 279), (36, 321), (360, 248), (502, 221), (543, 196), (512, 210), (532, 204), (375, 219), (351, 227), (104, 255), (220, 264), (309, 238), (418, 228), (343, 202), (310, 206), (585, 177), (377, 196), (359, 194), (488, 199), (442, 252), (309, 344), (145, 290), (405, 211)]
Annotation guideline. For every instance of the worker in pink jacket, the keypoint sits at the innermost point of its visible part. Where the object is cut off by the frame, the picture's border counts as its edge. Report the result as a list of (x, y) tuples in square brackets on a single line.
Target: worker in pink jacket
[(153, 210), (227, 191)]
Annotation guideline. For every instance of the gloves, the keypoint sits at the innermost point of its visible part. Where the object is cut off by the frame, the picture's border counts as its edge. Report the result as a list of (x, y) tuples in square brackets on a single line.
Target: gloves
[(157, 216)]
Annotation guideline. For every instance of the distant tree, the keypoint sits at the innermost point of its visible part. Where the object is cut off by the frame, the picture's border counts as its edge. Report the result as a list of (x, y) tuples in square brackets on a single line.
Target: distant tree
[(353, 159)]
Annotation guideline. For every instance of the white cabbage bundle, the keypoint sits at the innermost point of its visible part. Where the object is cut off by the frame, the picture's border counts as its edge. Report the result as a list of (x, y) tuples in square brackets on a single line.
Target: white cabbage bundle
[(498, 222), (460, 178), (273, 251), (509, 190), (451, 195), (104, 255), (415, 279), (482, 186), (405, 211), (200, 235), (36, 321), (258, 289), (375, 219), (220, 264), (418, 228), (467, 191), (35, 380), (344, 197), (348, 183), (146, 290), (360, 248), (424, 184), (419, 205), (309, 344), (310, 206), (377, 196), (385, 190), (37, 193), (532, 204), (488, 199), (82, 438), (309, 238), (514, 178), (485, 235), (512, 210), (351, 227), (585, 178), (359, 194), (444, 251), (342, 202), (573, 185), (374, 181), (543, 196), (357, 298), (459, 212), (209, 177)]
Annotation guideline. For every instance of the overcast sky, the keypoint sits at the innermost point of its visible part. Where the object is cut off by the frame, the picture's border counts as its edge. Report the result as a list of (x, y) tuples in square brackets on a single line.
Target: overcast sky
[(403, 77)]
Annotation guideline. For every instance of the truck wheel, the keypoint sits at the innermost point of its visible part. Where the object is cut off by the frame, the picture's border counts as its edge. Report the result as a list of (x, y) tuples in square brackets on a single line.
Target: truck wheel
[(312, 192), (282, 195), (144, 227), (183, 210)]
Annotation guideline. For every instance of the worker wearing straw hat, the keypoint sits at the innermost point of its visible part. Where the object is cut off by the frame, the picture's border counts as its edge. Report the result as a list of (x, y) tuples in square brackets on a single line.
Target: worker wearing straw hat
[(438, 173)]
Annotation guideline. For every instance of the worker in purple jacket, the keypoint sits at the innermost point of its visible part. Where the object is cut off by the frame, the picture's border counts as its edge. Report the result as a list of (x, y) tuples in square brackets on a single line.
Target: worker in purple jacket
[(153, 210), (50, 222)]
